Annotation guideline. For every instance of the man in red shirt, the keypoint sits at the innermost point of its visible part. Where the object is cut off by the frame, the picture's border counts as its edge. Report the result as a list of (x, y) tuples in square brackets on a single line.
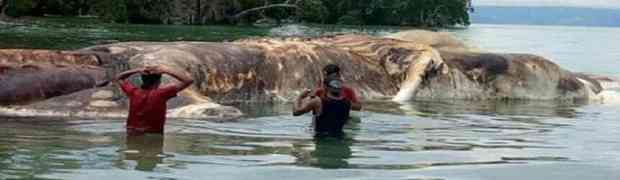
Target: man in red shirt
[(347, 92), (147, 104)]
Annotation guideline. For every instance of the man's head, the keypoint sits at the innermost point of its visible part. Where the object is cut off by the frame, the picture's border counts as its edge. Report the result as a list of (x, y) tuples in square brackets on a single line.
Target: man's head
[(333, 84), (331, 69), (150, 80)]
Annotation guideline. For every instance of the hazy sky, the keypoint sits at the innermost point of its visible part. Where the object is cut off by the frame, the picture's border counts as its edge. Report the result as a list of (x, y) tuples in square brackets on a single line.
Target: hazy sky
[(578, 3)]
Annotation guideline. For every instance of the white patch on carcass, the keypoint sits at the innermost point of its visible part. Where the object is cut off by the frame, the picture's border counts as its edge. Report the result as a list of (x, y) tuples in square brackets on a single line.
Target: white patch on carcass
[(414, 77), (194, 111), (297, 75), (20, 112), (610, 84), (205, 110), (117, 50), (592, 96), (609, 95)]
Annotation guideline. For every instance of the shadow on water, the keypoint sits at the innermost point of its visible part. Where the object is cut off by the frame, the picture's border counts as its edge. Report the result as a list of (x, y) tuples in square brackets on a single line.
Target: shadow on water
[(145, 150), (331, 152), (565, 109)]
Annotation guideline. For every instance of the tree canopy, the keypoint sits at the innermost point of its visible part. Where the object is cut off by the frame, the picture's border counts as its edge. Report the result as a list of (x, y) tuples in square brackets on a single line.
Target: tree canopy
[(430, 13)]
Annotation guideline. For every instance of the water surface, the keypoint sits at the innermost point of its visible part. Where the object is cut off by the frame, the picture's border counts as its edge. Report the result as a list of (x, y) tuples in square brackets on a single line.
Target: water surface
[(440, 140)]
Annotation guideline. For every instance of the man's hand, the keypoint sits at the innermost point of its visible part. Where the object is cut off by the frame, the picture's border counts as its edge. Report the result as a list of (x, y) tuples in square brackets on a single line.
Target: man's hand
[(305, 93), (152, 70), (303, 105)]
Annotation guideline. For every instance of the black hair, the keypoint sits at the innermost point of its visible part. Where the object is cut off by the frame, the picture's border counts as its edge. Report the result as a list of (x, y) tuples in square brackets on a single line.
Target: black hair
[(331, 69), (149, 80)]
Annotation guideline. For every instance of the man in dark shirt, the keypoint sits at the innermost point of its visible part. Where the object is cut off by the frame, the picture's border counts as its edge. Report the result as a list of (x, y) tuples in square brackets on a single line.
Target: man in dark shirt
[(331, 111), (347, 92)]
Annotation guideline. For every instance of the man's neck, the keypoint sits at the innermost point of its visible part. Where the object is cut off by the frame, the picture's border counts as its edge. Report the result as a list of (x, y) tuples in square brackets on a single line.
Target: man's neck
[(333, 96)]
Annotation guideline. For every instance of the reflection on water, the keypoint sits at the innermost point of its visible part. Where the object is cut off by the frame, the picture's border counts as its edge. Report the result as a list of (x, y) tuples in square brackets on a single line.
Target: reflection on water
[(388, 141), (514, 107), (146, 150), (331, 152)]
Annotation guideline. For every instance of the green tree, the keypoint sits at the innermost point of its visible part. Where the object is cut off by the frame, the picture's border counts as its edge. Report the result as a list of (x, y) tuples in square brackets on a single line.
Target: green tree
[(429, 13), (67, 7), (3, 7), (313, 11), (112, 10), (218, 11), (276, 13), (16, 8), (150, 11)]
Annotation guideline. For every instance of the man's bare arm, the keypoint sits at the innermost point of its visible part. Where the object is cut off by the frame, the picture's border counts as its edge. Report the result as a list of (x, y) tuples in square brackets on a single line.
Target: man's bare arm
[(356, 106), (303, 105), (127, 74)]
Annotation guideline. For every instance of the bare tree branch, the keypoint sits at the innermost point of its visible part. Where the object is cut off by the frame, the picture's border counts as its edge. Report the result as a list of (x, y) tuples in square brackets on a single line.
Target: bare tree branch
[(245, 12), (3, 8), (289, 2)]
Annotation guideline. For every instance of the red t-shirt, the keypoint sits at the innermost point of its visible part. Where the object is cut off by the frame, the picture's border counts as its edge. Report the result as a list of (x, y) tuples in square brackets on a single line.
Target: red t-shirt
[(347, 92), (147, 107)]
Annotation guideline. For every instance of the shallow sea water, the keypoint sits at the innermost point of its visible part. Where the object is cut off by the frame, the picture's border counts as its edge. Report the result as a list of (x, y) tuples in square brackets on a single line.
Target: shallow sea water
[(420, 140)]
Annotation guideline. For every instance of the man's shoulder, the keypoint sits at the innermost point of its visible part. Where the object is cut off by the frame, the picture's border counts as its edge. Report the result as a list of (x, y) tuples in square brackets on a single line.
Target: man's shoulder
[(168, 91), (319, 91), (347, 88), (127, 87), (167, 88), (125, 83)]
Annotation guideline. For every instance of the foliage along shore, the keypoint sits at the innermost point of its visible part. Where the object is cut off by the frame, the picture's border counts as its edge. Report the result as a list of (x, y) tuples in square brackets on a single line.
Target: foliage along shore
[(68, 33), (419, 13)]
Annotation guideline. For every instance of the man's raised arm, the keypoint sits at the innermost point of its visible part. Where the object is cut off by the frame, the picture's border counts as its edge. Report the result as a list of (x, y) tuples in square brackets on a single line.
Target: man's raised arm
[(302, 105), (127, 74), (356, 105)]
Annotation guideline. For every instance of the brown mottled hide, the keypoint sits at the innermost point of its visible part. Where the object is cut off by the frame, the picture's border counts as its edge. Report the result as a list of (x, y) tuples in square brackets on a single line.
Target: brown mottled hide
[(277, 69), (503, 76), (293, 64), (61, 58), (29, 75)]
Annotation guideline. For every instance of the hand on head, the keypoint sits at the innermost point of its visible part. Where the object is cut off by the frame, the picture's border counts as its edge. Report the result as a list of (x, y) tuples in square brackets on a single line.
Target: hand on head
[(153, 69)]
